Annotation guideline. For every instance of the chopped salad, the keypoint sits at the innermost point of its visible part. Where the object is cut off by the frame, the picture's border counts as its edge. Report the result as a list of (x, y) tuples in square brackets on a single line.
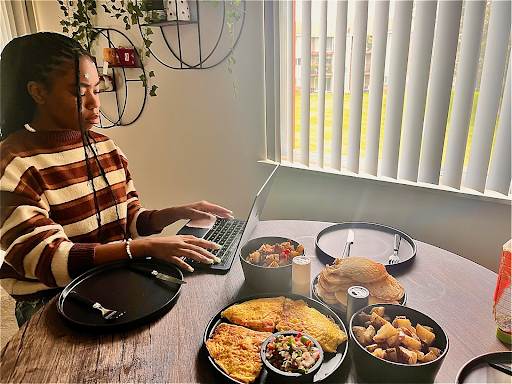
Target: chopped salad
[(292, 354)]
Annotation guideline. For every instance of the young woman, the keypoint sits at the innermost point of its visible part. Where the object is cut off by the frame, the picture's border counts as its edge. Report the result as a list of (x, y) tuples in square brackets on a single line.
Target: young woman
[(67, 198)]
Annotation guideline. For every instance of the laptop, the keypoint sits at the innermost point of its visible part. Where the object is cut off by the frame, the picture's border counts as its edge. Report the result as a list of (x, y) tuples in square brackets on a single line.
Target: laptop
[(230, 233)]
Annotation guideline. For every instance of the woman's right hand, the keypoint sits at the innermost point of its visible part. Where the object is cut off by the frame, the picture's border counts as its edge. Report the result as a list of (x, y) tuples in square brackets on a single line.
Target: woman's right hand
[(175, 248)]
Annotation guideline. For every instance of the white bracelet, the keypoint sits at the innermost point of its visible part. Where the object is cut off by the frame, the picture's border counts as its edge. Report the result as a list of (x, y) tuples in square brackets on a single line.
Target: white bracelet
[(128, 251)]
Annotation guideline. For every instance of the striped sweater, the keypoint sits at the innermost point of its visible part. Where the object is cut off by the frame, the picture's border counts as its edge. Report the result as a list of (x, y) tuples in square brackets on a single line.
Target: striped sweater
[(49, 225)]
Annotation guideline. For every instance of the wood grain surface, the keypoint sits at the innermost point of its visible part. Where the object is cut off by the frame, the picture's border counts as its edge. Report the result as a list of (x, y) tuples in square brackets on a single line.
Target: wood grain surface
[(454, 291)]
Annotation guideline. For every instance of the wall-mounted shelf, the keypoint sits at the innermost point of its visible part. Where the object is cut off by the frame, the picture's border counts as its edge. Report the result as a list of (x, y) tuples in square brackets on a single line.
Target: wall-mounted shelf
[(209, 48), (123, 77)]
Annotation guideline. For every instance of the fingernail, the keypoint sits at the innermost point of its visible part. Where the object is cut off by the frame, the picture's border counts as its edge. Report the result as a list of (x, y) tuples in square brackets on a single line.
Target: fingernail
[(218, 246), (190, 269), (209, 261), (217, 259)]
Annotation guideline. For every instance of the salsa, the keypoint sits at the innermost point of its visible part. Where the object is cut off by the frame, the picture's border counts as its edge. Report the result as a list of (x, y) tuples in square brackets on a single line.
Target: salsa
[(292, 354)]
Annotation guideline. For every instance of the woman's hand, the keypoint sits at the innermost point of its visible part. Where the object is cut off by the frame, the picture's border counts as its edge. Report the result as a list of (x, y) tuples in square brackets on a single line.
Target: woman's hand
[(201, 210), (175, 248)]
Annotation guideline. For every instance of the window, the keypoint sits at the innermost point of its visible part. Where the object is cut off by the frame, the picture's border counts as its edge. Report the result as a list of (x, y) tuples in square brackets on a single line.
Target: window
[(396, 109)]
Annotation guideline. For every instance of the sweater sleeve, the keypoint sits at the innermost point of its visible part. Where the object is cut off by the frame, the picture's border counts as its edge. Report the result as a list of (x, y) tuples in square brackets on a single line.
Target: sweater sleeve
[(36, 247), (138, 218)]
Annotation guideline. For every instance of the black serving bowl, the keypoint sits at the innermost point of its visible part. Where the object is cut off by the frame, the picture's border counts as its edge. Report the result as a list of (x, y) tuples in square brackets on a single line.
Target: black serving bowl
[(384, 371), (276, 375), (266, 279)]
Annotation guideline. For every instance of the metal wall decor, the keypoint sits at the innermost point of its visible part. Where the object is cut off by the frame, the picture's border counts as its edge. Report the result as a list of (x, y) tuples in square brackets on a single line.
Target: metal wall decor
[(122, 77), (206, 59)]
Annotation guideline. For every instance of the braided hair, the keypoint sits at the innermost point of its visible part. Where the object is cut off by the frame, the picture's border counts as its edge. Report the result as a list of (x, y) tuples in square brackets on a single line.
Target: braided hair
[(40, 57)]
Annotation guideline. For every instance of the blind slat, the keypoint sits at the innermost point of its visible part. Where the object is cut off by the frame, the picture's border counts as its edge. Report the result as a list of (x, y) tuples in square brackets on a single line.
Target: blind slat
[(277, 82), (290, 81), (500, 172), (270, 110), (445, 51), (396, 87), (305, 82), (379, 43), (321, 83), (340, 43), (421, 54), (356, 85), (490, 92), (464, 92)]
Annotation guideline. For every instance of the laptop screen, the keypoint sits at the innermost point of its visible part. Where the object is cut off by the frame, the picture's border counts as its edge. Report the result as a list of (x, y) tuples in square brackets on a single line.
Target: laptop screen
[(257, 208)]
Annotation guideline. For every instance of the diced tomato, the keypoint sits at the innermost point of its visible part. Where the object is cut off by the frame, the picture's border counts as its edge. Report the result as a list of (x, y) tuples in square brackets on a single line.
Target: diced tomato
[(308, 342), (287, 251), (270, 346), (299, 335)]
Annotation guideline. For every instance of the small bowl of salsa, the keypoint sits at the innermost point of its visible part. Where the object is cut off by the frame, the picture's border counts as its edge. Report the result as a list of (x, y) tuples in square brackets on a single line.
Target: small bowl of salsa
[(291, 356)]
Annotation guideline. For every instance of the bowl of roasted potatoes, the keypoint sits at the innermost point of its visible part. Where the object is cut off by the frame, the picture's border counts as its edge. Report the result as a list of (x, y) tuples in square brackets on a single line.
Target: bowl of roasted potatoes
[(267, 262), (400, 344)]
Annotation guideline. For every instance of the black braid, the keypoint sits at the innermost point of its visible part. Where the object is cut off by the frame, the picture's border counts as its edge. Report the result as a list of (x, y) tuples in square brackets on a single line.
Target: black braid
[(40, 57), (37, 57)]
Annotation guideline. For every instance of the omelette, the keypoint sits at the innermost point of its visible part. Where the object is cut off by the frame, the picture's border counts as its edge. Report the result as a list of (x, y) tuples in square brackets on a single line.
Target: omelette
[(259, 314), (298, 316), (236, 350), (285, 314)]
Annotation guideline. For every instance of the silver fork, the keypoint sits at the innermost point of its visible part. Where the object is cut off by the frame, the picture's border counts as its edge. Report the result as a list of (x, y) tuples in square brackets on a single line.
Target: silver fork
[(108, 314), (394, 259)]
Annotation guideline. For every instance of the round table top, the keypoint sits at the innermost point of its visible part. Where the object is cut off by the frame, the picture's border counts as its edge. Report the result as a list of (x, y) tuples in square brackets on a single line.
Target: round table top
[(454, 291)]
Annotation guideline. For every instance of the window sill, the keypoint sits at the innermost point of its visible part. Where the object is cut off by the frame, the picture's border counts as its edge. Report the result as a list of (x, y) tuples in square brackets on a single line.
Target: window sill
[(489, 195)]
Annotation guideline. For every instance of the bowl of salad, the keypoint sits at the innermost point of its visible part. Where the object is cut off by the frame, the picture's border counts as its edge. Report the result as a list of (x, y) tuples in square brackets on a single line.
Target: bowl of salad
[(291, 356)]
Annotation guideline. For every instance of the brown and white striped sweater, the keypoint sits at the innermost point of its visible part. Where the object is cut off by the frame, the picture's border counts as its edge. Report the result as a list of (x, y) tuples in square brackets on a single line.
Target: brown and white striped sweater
[(49, 226)]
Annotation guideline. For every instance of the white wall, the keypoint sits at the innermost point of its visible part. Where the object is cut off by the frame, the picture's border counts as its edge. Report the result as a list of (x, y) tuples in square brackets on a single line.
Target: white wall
[(196, 141)]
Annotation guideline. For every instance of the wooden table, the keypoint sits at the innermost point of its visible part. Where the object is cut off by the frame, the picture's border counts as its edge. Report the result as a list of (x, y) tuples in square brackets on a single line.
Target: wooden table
[(454, 291)]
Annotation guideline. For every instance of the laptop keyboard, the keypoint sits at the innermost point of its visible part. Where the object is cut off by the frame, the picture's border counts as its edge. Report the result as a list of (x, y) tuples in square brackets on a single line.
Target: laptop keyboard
[(225, 232)]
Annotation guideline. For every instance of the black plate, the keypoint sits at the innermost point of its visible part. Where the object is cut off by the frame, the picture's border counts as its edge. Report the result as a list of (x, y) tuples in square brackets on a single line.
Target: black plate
[(339, 308), (478, 370), (113, 285), (331, 360), (372, 241)]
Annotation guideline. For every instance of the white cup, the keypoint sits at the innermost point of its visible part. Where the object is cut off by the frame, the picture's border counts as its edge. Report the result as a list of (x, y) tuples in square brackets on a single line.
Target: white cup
[(301, 275)]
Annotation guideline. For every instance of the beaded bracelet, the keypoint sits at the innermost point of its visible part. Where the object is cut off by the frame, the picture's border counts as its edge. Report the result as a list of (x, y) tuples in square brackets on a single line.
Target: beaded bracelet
[(128, 250)]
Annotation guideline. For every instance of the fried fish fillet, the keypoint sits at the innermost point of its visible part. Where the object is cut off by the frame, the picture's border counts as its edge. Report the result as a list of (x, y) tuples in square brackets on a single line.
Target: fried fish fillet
[(237, 351), (298, 316), (259, 314)]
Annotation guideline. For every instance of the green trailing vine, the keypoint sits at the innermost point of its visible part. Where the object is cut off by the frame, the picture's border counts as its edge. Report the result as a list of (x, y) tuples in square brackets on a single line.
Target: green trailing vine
[(233, 14), (77, 22)]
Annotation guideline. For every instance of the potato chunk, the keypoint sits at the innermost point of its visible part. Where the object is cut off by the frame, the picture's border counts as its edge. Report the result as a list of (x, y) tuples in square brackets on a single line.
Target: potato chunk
[(385, 332), (405, 356), (402, 321), (424, 334), (412, 343)]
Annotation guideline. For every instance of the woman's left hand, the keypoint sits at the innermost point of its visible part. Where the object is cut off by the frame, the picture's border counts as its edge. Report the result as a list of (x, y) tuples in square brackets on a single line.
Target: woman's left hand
[(201, 210)]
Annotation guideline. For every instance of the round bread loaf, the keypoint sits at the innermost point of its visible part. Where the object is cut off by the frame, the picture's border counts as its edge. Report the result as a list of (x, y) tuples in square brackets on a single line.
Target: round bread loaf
[(361, 269)]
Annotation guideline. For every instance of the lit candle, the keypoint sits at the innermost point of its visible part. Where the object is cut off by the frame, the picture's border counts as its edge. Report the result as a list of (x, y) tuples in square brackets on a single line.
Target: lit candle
[(301, 275)]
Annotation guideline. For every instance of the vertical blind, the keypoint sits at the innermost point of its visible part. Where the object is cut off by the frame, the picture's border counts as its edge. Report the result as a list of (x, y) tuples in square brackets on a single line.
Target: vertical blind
[(427, 85)]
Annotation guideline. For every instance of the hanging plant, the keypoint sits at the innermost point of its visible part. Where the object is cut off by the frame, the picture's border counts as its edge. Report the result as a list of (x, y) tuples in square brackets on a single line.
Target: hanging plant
[(77, 23), (233, 14)]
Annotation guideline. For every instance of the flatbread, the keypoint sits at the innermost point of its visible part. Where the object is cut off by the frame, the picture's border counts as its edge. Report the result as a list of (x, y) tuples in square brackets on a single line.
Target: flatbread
[(236, 350)]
